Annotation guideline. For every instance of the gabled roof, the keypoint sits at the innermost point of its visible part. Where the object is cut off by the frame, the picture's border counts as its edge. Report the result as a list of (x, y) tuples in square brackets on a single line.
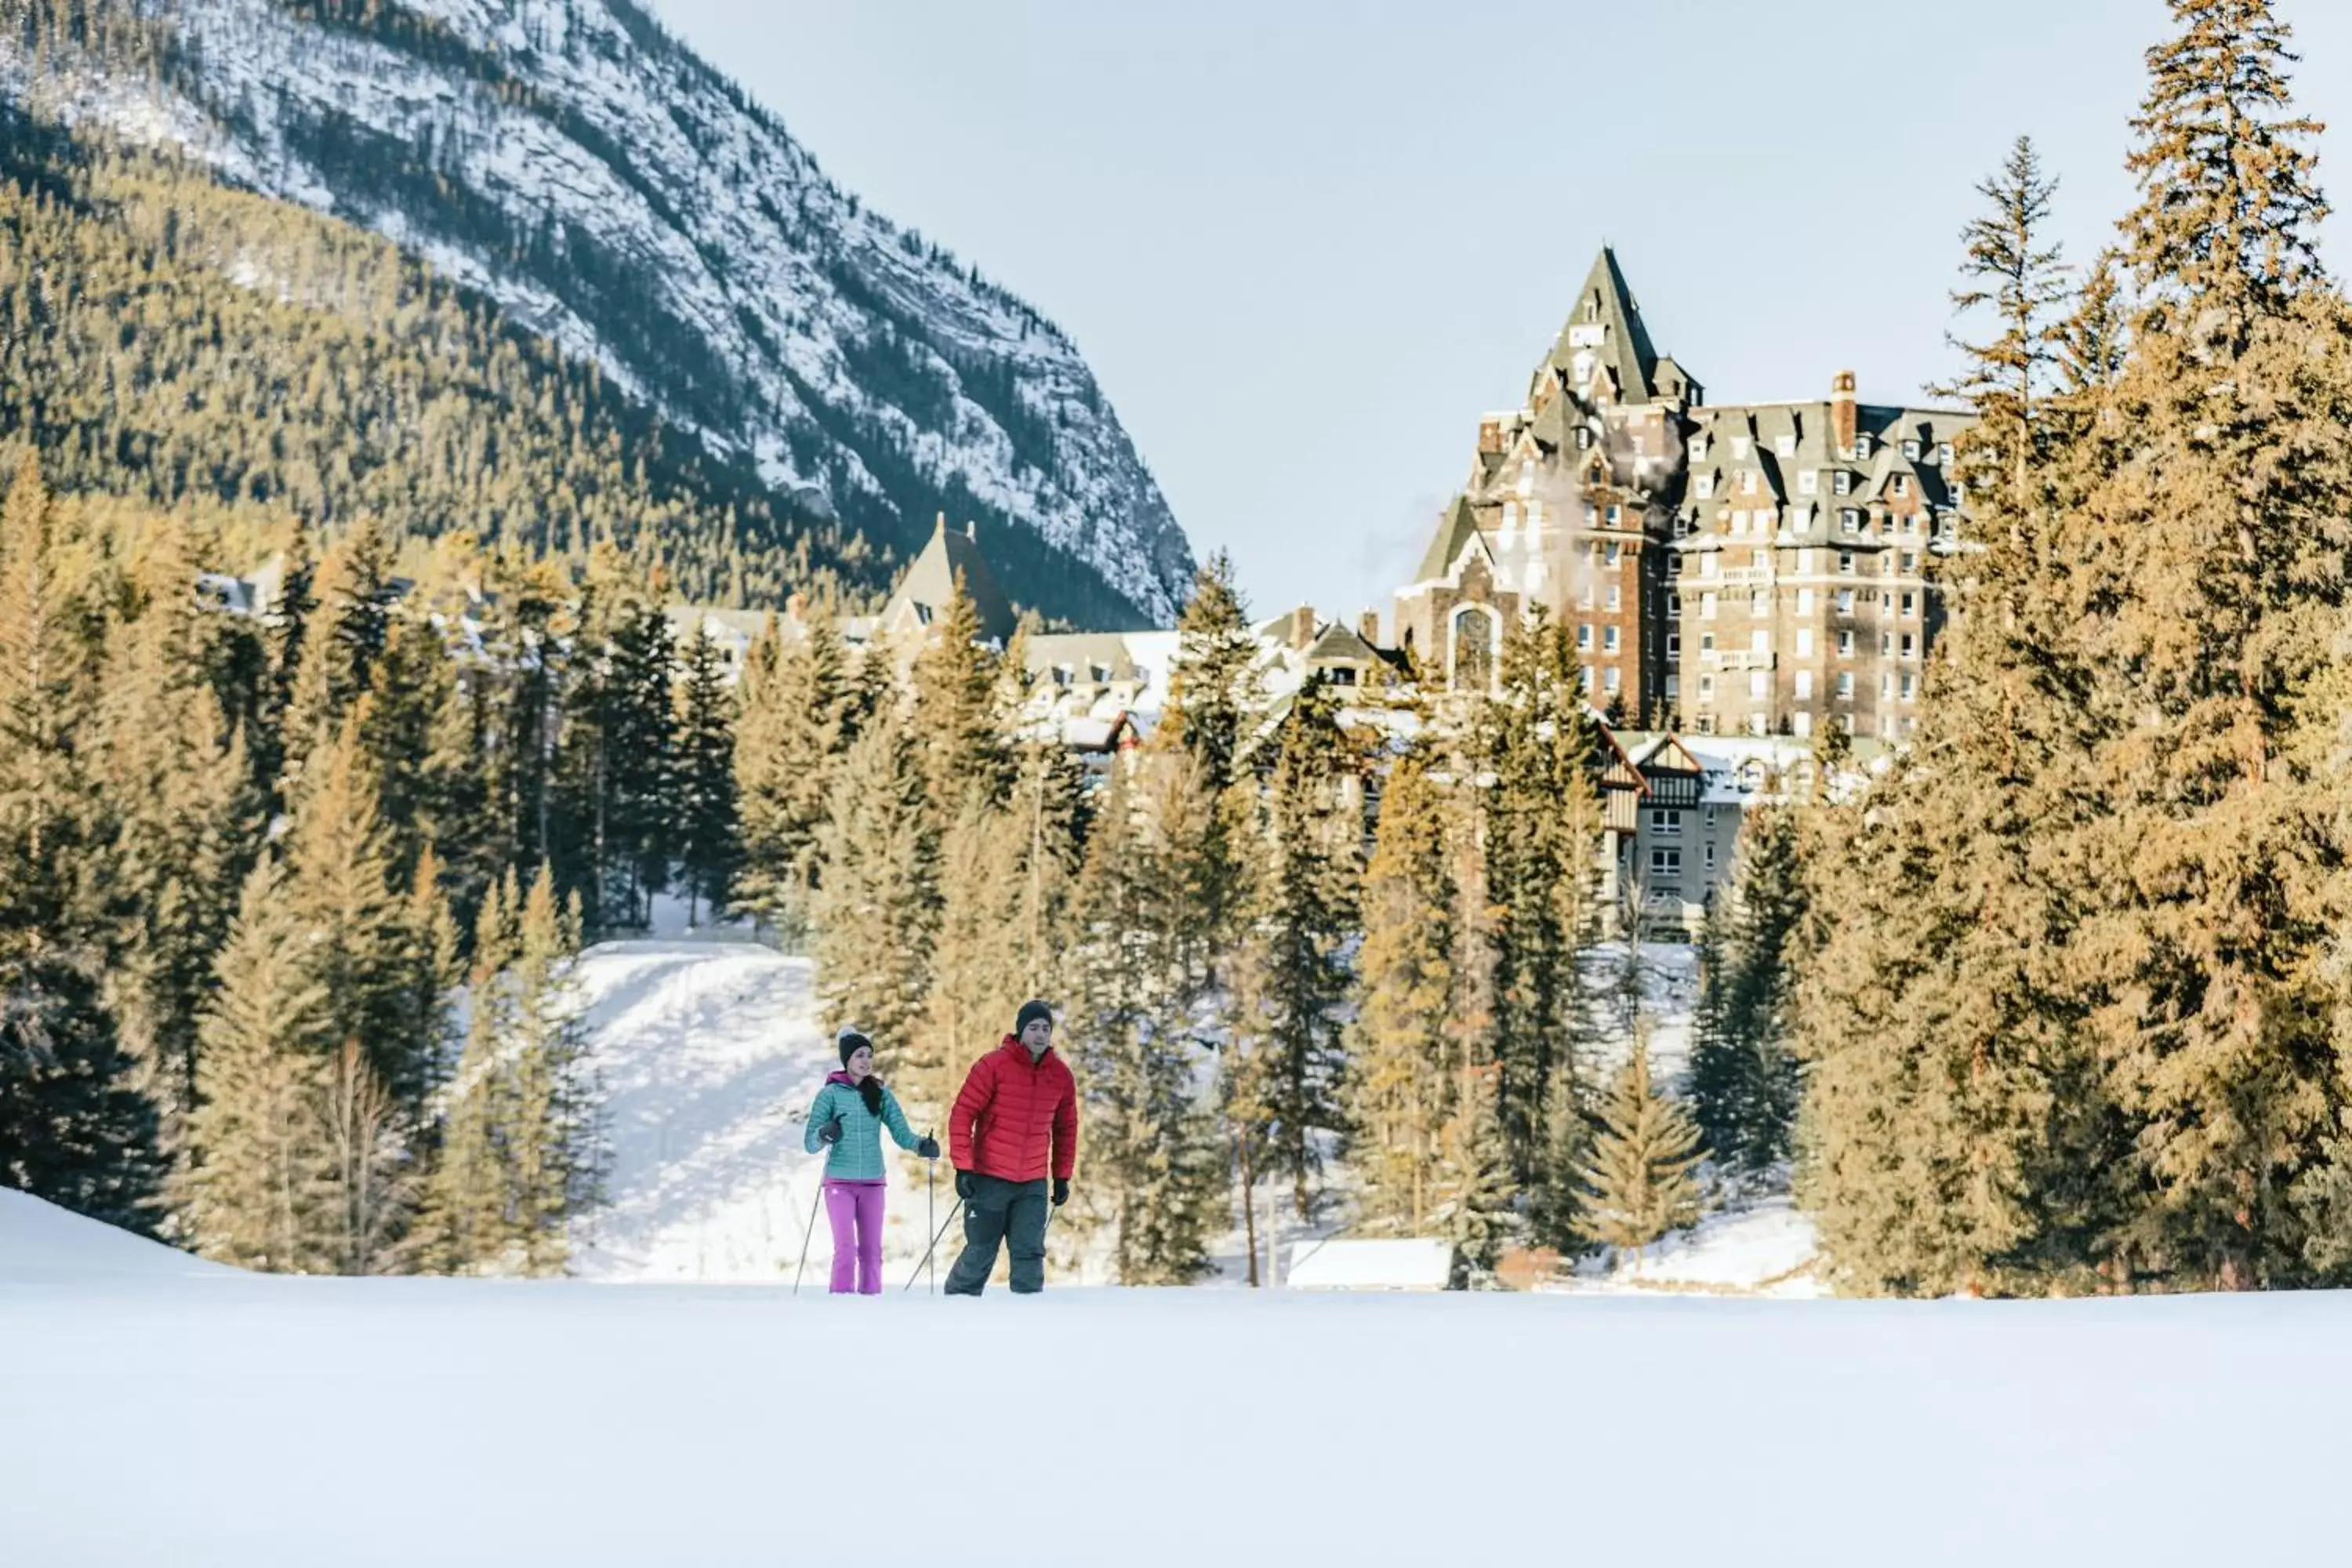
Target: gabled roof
[(924, 593), (1455, 529), (1624, 352), (1339, 642)]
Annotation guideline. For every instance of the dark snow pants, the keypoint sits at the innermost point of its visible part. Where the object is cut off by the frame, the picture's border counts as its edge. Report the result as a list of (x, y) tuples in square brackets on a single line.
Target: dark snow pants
[(1000, 1211)]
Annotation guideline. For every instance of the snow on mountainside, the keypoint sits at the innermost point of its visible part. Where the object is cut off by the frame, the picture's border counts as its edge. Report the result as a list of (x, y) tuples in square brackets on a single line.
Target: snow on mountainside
[(609, 189)]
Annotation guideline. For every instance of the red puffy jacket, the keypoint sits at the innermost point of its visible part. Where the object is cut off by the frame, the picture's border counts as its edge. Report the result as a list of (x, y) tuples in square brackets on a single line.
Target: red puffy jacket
[(1014, 1111)]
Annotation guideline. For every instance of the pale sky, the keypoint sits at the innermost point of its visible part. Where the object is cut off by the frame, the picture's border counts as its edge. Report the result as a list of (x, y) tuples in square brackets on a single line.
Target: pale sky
[(1305, 243)]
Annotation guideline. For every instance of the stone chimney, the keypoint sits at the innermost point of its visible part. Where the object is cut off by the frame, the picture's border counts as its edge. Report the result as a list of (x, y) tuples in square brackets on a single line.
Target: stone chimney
[(1302, 627), (1843, 415), (1367, 626)]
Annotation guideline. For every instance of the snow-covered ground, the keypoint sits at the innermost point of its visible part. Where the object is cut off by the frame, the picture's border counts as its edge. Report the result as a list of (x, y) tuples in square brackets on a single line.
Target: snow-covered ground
[(1765, 1249), (159, 1413)]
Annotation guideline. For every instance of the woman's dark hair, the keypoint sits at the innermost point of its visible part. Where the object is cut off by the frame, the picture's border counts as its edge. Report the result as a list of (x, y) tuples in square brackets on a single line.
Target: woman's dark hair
[(869, 1089)]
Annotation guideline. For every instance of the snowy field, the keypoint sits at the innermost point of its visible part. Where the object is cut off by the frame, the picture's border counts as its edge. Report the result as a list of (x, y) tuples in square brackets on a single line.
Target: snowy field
[(157, 1411)]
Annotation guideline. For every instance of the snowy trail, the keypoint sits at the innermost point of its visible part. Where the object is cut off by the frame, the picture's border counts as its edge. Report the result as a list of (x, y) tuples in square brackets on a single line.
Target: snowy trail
[(240, 1421)]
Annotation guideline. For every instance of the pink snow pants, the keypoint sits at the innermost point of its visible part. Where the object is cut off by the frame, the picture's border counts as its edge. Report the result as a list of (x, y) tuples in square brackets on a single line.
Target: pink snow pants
[(855, 1210)]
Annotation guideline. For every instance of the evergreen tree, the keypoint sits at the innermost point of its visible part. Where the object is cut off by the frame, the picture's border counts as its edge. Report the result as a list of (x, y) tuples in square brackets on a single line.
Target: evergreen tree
[(1154, 1170), (958, 727), (1642, 1172), (1743, 1075), (877, 908), (706, 831), (260, 1188), (1293, 974), (2013, 271), (795, 724), (75, 1126), (464, 1224), (1401, 1073), (1543, 822), (412, 689), (342, 641)]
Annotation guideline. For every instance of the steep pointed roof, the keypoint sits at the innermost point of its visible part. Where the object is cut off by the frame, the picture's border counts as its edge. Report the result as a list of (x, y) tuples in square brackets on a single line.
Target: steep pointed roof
[(1605, 323), (924, 593), (1456, 528)]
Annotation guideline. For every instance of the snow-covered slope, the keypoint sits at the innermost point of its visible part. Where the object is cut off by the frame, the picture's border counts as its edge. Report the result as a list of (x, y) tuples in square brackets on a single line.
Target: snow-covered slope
[(40, 1242), (710, 1053), (251, 1421), (611, 190)]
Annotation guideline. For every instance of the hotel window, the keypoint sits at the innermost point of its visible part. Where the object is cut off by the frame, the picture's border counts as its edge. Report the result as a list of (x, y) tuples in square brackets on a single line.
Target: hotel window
[(1943, 454), (1706, 723), (1608, 639), (1706, 689), (1674, 645), (1785, 445), (1902, 484), (1804, 600), (1584, 637), (1842, 483), (1616, 596), (1845, 562), (1682, 526), (1804, 684), (1804, 642), (1910, 646), (1706, 607), (1708, 848), (1747, 481), (1609, 679), (1861, 445), (1804, 562), (1849, 520), (1886, 644), (1673, 606), (1674, 687), (1911, 451), (1845, 645), (1759, 641), (1845, 684), (1910, 603), (1738, 523), (1758, 602), (1738, 447), (1587, 678), (1809, 482), (1759, 685), (1706, 642), (1755, 723), (1699, 449), (1846, 604), (1910, 561), (1666, 821), (1611, 553), (1665, 862), (1910, 687)]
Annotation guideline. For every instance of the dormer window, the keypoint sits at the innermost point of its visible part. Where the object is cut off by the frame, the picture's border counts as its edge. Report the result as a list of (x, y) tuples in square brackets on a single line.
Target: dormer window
[(1849, 520), (1944, 455), (1748, 482), (1809, 482), (1099, 674), (1786, 446), (1843, 483), (1616, 514), (1911, 451), (1862, 447), (1583, 438), (1902, 484), (1699, 449), (1738, 447), (1703, 487)]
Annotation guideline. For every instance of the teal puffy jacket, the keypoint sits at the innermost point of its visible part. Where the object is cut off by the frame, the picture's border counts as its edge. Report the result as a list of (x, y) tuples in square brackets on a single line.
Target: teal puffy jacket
[(858, 1156)]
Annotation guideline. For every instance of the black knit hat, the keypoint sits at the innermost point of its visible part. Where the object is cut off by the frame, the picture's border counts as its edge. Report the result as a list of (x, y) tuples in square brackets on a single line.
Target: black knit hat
[(1030, 1012), (849, 1040)]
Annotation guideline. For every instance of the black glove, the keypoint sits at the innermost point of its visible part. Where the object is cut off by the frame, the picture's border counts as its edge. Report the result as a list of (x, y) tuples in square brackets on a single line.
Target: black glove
[(830, 1132), (1061, 1191), (929, 1148), (965, 1186)]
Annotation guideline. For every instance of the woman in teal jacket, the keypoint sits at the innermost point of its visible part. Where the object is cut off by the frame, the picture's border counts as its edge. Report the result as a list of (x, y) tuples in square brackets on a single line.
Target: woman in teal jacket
[(850, 1112)]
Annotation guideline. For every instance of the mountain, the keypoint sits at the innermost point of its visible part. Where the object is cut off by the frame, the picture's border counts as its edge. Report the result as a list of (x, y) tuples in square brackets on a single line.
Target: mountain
[(571, 161)]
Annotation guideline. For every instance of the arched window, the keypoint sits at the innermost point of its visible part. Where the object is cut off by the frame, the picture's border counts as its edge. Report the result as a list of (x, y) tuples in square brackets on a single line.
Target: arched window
[(1476, 637)]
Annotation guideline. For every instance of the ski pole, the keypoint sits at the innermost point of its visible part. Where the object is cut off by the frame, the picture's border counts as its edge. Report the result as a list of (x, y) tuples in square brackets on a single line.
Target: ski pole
[(805, 1235), (930, 1208), (933, 1247)]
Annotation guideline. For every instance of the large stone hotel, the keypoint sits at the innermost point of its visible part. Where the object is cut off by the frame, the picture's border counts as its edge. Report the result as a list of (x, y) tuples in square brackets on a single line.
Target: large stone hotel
[(1728, 568)]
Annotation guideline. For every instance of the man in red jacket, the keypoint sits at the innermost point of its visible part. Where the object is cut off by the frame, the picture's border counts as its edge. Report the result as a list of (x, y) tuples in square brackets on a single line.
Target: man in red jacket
[(1016, 1119)]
